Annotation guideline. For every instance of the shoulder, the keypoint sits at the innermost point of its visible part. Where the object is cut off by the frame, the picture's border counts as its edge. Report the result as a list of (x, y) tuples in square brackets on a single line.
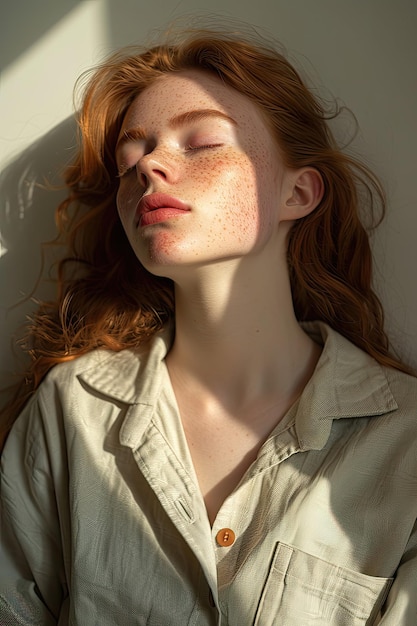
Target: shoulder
[(93, 382), (88, 393)]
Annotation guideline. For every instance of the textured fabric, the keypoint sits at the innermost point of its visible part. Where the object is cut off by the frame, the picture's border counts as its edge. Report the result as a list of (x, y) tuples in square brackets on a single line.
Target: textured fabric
[(103, 522)]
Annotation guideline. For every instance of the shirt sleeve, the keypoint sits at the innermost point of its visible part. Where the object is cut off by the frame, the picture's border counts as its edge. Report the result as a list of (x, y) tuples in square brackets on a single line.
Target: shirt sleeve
[(33, 587)]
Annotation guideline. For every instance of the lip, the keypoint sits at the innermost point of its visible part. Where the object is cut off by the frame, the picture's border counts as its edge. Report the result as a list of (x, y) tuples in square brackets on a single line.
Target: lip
[(158, 207)]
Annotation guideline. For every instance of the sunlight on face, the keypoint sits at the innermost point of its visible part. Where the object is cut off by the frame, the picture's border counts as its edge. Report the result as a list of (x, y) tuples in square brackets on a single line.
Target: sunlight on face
[(201, 156)]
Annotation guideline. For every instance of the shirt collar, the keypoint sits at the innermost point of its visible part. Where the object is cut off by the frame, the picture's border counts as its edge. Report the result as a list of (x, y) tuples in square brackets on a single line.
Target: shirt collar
[(347, 382), (130, 376)]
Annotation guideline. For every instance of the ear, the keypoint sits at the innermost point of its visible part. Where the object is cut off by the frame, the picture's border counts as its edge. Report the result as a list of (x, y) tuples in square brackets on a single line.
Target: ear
[(304, 191)]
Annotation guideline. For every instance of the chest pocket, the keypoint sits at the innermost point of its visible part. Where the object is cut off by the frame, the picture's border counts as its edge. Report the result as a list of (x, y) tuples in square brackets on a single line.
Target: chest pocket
[(303, 589)]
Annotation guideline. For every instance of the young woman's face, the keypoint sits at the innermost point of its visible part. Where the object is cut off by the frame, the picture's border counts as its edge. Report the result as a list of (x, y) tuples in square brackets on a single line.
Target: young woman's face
[(201, 178)]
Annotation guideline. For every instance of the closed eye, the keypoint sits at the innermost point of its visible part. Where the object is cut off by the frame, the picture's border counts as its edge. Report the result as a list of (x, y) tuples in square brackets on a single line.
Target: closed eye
[(191, 147), (124, 170)]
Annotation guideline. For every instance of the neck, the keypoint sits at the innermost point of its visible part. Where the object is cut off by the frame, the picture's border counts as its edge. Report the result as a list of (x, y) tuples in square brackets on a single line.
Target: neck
[(237, 338)]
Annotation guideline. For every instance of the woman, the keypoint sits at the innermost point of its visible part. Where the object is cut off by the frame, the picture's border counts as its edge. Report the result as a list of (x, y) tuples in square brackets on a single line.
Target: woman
[(224, 437)]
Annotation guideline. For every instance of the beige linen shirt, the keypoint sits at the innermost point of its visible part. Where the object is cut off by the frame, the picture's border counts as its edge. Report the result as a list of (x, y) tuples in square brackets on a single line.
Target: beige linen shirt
[(104, 524)]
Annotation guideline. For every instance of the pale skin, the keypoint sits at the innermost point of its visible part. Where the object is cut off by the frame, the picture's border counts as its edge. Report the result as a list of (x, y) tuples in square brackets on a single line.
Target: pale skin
[(239, 359)]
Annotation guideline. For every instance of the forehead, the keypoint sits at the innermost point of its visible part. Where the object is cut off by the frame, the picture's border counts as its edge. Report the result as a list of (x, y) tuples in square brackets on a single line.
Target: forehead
[(177, 93)]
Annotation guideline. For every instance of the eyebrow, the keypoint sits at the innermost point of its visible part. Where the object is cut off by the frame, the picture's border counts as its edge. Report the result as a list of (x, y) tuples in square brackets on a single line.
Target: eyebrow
[(182, 119), (195, 116)]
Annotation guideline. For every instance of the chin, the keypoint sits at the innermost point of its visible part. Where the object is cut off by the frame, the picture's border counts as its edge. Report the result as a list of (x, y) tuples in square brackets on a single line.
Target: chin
[(161, 255)]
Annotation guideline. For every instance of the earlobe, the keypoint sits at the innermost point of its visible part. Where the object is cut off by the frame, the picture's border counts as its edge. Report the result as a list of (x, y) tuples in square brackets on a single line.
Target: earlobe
[(305, 193)]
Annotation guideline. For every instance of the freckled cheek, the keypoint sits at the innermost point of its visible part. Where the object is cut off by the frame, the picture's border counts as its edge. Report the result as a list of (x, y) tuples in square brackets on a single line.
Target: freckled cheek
[(267, 175), (245, 192), (206, 174)]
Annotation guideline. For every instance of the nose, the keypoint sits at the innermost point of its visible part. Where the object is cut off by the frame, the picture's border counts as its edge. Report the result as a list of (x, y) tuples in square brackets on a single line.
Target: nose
[(156, 166)]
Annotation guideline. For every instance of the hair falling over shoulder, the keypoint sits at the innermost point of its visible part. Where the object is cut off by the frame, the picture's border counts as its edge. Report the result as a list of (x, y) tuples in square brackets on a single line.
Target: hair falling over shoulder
[(107, 299)]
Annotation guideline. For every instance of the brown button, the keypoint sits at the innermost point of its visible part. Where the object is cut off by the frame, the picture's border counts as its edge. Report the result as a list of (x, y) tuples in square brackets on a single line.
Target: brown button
[(225, 537)]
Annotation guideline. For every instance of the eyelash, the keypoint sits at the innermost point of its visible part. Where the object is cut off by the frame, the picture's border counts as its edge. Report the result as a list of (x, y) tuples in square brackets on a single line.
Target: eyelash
[(191, 148), (122, 172)]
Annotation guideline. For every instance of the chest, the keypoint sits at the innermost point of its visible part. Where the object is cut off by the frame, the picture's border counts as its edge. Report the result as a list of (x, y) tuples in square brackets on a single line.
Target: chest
[(223, 446), (221, 454)]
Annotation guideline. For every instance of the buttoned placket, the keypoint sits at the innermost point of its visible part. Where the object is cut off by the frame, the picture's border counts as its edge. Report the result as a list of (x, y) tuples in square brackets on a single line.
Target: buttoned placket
[(231, 522)]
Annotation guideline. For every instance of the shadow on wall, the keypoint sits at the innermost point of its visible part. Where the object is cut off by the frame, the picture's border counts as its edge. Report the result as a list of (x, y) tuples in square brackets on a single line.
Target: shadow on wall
[(20, 34), (31, 187)]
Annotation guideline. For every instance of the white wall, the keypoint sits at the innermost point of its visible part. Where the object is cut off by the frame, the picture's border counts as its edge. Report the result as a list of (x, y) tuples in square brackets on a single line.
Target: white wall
[(363, 51)]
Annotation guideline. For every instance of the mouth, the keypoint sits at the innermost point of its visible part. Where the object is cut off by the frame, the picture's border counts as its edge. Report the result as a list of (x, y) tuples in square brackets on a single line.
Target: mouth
[(159, 207)]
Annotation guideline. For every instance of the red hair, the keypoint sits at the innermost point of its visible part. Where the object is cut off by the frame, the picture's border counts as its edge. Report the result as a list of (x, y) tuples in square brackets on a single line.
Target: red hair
[(107, 299)]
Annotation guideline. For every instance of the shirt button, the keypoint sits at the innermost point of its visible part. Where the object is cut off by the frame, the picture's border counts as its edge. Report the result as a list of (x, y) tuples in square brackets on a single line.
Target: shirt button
[(225, 537)]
